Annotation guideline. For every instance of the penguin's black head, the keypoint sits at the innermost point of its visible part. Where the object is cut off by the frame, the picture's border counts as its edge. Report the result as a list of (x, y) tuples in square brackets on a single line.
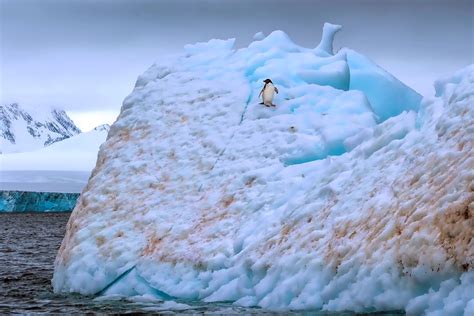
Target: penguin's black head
[(267, 81)]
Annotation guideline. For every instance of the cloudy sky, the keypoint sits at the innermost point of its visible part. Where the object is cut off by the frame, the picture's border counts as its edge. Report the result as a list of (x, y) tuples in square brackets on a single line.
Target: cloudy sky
[(85, 55)]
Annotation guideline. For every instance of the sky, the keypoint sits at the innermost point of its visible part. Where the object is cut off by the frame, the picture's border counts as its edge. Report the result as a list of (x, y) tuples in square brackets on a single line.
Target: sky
[(85, 55)]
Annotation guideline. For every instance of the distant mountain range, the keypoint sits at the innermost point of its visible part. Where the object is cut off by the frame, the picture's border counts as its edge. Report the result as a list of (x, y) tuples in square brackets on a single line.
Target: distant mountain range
[(27, 130)]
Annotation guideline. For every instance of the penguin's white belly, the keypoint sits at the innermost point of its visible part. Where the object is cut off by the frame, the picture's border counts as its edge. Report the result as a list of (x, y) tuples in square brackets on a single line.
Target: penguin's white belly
[(268, 93)]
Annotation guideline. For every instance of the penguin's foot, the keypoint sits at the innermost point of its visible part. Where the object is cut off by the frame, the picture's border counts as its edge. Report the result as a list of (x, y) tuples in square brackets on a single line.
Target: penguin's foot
[(274, 105), (261, 103)]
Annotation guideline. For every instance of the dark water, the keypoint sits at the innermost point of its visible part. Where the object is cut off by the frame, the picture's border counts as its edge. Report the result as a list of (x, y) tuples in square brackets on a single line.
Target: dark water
[(28, 246)]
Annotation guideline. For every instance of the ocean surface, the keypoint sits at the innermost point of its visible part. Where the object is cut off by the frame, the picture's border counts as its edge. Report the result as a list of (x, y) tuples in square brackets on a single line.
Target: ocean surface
[(28, 246)]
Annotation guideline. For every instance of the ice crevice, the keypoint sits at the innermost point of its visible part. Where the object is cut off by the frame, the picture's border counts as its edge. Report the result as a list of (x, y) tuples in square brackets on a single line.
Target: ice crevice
[(231, 137), (140, 286), (116, 280)]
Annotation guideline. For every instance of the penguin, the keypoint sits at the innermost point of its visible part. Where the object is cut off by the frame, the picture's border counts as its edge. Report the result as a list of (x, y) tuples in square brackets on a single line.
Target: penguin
[(267, 93)]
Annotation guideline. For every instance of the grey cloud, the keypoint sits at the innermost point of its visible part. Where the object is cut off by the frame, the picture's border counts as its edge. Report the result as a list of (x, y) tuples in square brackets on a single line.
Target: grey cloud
[(86, 54)]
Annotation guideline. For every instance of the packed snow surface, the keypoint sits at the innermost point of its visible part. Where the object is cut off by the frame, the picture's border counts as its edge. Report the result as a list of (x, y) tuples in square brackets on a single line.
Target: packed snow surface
[(351, 194), (64, 166)]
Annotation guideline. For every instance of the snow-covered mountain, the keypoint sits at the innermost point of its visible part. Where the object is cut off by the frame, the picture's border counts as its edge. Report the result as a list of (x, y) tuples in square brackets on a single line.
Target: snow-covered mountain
[(103, 127), (352, 194), (63, 166), (26, 130)]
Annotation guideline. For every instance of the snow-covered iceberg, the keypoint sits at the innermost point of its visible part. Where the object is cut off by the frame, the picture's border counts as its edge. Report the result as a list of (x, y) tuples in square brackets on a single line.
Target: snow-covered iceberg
[(350, 195)]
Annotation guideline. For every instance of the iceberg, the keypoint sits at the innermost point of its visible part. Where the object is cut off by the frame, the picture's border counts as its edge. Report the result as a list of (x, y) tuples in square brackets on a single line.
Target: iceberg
[(342, 198), (21, 201)]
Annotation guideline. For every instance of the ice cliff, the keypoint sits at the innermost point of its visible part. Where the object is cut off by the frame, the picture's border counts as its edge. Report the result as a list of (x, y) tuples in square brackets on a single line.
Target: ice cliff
[(18, 201), (353, 194)]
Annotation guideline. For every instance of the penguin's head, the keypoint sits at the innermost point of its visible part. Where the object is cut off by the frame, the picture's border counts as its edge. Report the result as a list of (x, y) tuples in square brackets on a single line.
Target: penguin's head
[(267, 81)]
